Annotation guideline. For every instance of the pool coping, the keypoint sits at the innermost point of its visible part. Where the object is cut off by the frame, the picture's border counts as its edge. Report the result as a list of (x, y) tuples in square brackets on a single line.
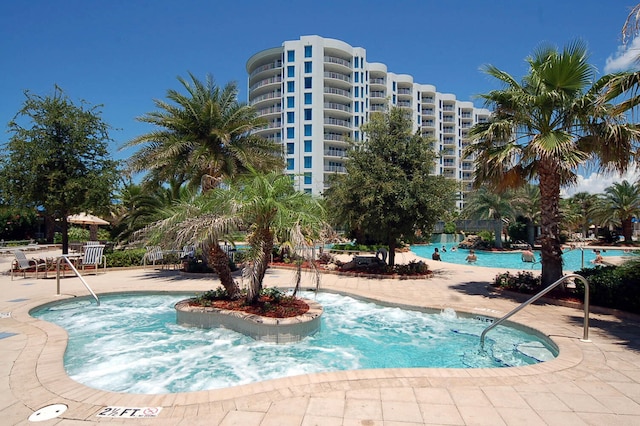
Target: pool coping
[(604, 370)]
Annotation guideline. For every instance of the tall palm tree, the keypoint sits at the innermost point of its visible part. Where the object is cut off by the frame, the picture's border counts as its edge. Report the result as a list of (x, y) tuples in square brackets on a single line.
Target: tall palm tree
[(202, 136), (619, 205), (486, 204), (543, 128)]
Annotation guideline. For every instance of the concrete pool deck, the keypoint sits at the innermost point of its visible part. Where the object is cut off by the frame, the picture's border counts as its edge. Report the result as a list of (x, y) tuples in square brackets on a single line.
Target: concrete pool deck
[(591, 383)]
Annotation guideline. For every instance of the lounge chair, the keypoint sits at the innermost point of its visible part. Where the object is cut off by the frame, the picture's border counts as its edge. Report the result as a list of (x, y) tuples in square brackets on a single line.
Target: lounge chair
[(92, 257), (24, 265), (153, 255)]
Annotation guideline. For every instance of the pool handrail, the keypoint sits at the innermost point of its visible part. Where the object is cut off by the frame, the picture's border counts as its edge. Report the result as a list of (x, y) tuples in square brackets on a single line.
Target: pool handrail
[(585, 331), (73, 268)]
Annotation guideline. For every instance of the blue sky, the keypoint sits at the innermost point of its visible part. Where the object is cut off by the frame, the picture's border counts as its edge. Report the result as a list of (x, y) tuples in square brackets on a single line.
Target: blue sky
[(125, 53)]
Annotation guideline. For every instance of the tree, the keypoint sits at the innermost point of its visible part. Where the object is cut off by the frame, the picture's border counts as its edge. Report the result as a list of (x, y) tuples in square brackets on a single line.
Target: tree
[(272, 210), (619, 205), (543, 129), (265, 204), (389, 192), (57, 159), (582, 205), (485, 204), (201, 137)]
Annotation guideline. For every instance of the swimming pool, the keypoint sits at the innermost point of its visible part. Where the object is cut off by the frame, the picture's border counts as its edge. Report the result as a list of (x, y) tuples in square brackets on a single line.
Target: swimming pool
[(573, 259), (136, 346)]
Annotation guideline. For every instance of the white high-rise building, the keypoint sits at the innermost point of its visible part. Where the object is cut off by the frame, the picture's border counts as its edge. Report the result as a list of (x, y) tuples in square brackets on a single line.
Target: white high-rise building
[(316, 92)]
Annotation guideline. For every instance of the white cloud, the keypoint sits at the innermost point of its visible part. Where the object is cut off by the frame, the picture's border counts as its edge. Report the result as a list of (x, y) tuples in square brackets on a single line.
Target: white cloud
[(595, 183), (625, 59)]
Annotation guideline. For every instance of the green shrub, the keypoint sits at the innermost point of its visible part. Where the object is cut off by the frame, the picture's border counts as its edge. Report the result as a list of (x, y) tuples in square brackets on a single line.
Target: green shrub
[(523, 282), (613, 287), (412, 268), (124, 258)]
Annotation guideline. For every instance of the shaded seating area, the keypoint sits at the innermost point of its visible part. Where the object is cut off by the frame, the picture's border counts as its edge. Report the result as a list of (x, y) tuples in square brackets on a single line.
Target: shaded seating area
[(23, 264), (153, 256)]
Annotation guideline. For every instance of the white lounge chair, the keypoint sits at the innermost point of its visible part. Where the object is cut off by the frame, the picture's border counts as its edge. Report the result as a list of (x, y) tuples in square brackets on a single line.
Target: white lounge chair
[(153, 255), (93, 256), (24, 265)]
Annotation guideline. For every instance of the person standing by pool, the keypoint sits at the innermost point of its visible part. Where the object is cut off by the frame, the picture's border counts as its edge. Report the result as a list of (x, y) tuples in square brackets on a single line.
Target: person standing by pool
[(436, 254), (471, 257)]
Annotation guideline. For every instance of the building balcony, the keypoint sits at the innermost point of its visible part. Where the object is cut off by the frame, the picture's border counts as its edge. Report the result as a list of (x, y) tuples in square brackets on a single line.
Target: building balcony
[(337, 122), (337, 169), (334, 91), (448, 129), (337, 61), (340, 137), (404, 104), (337, 76), (266, 67), (266, 82), (377, 94), (377, 81), (265, 112), (429, 112), (377, 107), (448, 108), (405, 91), (337, 107), (338, 153), (276, 94)]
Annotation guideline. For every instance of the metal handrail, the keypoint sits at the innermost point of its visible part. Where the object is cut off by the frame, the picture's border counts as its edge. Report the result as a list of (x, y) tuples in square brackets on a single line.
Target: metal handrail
[(73, 268), (585, 332)]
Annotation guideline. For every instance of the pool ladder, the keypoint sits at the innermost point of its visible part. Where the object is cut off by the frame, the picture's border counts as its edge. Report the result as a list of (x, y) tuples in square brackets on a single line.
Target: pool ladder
[(585, 332), (73, 268)]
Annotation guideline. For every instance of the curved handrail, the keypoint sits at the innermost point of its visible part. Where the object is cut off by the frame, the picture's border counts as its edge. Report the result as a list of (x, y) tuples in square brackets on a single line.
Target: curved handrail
[(585, 332), (73, 268)]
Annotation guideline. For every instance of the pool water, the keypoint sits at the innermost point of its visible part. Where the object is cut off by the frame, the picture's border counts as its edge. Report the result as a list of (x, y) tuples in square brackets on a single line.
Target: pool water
[(573, 259), (131, 343)]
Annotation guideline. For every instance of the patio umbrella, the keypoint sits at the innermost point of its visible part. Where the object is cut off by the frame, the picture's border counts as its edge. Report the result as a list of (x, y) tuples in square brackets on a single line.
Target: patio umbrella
[(88, 219)]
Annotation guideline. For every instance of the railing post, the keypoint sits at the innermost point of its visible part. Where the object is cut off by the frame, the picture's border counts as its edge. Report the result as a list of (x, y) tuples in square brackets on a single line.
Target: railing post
[(585, 333)]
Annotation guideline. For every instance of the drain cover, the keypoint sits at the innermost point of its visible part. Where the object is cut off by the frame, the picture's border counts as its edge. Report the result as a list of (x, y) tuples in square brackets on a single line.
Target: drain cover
[(47, 413)]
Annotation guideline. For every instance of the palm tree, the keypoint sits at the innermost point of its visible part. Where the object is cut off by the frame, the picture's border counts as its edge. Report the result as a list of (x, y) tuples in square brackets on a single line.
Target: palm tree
[(201, 219), (619, 205), (485, 204), (543, 128), (202, 136), (272, 209), (583, 203)]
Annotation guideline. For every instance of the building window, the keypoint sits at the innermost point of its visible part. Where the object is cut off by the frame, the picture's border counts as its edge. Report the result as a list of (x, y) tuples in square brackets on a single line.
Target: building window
[(290, 163), (291, 86), (291, 102), (290, 148), (307, 113), (290, 117), (307, 146), (307, 129), (394, 99), (307, 162), (394, 86), (357, 106), (356, 76), (290, 133), (291, 56), (307, 67), (308, 50), (307, 82), (355, 62), (357, 120), (291, 71), (307, 178), (307, 98), (357, 92), (356, 135)]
